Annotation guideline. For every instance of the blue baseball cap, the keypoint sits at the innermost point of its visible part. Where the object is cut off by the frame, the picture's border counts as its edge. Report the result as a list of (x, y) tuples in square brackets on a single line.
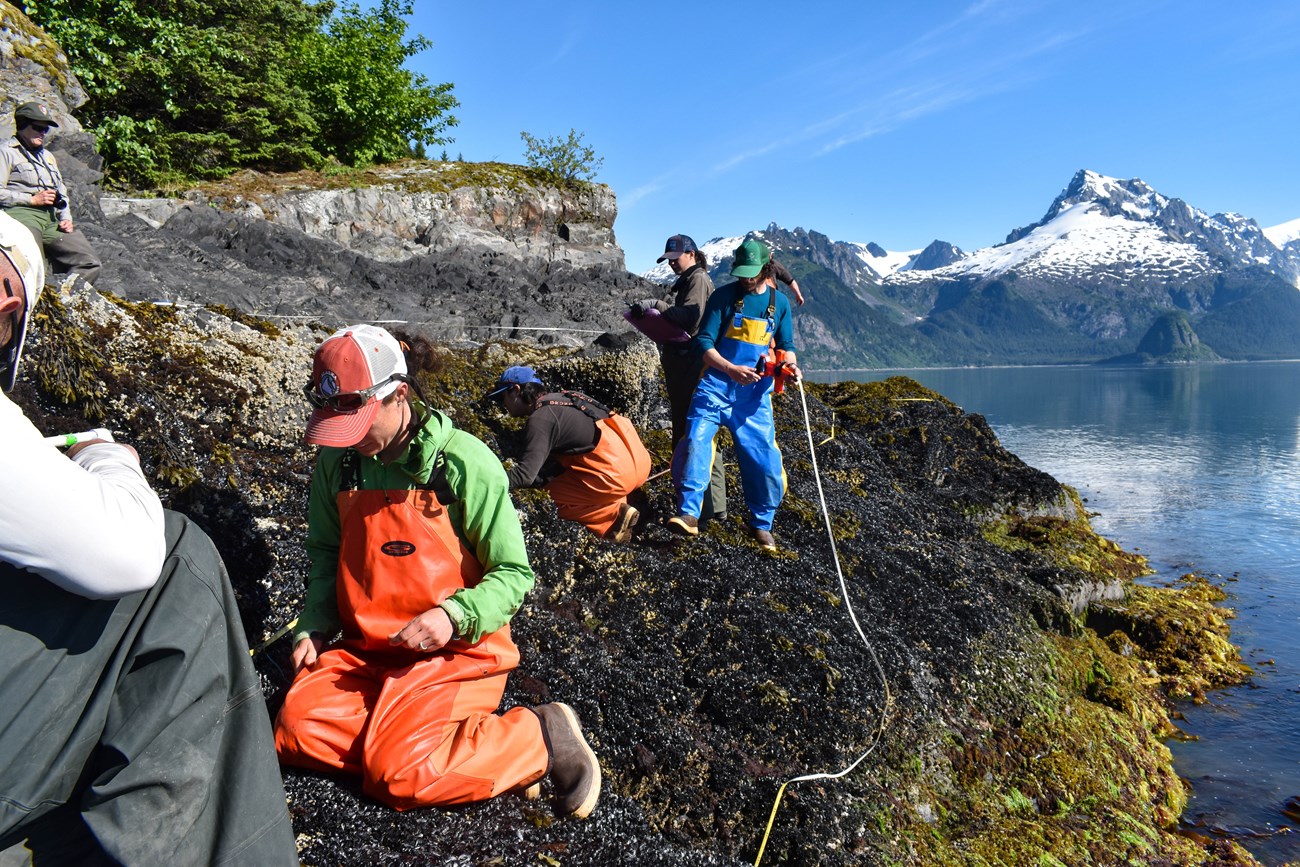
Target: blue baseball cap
[(676, 246), (514, 376)]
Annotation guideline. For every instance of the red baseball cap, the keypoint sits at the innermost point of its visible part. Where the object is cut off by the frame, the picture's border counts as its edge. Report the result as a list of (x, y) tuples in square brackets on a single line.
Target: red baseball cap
[(353, 370)]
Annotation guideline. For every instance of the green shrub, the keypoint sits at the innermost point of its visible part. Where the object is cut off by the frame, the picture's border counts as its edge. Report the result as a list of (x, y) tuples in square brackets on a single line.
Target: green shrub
[(567, 160)]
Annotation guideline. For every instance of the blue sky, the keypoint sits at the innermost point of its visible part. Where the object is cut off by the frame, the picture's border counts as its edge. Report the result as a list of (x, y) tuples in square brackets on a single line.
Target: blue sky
[(891, 122)]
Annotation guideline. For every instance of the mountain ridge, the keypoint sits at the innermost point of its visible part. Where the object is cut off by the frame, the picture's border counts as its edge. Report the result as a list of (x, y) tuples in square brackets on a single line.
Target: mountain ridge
[(1084, 283)]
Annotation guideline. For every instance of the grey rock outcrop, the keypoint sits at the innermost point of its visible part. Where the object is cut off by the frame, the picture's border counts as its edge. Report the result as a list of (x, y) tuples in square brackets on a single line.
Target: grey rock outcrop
[(537, 224), (452, 250), (204, 255), (32, 67), (420, 207)]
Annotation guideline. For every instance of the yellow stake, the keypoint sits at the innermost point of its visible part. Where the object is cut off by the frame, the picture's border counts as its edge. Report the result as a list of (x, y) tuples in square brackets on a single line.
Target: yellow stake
[(280, 633)]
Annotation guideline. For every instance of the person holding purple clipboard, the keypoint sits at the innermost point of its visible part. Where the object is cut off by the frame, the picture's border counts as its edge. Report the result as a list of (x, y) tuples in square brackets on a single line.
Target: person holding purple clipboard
[(681, 361)]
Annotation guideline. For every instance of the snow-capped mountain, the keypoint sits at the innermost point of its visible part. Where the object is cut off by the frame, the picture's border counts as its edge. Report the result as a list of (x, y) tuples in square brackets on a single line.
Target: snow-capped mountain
[(857, 265), (1105, 229), (1284, 233), (1108, 257), (1087, 281)]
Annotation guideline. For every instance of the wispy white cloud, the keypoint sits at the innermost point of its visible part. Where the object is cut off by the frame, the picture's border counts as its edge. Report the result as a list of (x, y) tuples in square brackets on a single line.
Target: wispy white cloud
[(899, 108), (952, 88), (570, 42), (627, 200), (745, 156), (985, 50)]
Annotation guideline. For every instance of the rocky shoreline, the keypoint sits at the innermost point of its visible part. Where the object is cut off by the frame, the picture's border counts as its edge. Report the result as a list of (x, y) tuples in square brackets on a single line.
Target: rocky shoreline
[(1016, 712), (1025, 673)]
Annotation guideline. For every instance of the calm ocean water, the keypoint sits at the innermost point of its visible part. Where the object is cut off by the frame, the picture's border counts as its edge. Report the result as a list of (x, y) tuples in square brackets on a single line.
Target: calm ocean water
[(1197, 468)]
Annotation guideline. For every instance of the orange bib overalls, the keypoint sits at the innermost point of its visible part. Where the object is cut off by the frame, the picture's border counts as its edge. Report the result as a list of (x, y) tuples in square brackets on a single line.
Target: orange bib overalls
[(594, 484), (419, 728)]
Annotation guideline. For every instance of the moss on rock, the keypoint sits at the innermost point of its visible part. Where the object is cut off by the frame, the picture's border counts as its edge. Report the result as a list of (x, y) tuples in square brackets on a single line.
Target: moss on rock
[(1180, 631)]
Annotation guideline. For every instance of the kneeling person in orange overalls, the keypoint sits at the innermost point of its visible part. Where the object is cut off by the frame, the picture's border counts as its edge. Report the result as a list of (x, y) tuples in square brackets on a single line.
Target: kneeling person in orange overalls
[(602, 455), (418, 557)]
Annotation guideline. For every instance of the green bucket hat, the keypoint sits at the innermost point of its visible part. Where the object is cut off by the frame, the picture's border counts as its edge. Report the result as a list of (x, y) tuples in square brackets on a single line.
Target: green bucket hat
[(751, 256)]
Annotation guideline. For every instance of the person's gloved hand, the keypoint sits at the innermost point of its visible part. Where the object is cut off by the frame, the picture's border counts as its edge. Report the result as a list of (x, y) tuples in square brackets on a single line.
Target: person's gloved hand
[(639, 308)]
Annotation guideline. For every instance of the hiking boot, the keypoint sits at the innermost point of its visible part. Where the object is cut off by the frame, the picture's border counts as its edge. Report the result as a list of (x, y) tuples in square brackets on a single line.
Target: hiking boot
[(687, 525), (575, 771), (621, 532), (763, 538)]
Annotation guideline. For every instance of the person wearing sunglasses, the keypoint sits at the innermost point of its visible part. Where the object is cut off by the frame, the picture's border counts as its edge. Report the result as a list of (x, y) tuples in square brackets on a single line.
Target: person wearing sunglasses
[(134, 726), (417, 565), (33, 192)]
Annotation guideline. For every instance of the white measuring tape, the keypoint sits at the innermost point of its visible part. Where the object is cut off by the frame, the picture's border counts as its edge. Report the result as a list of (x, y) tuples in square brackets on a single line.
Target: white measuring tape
[(844, 591)]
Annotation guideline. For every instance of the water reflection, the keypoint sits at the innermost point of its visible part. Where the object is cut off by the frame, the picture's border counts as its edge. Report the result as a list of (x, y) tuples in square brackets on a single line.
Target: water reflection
[(1196, 467)]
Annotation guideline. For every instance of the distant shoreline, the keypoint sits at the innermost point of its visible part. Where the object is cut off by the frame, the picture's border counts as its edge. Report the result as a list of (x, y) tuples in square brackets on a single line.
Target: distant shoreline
[(1031, 366)]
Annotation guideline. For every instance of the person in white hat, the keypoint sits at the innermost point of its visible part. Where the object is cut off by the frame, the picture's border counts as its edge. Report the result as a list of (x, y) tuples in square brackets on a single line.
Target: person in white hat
[(134, 727)]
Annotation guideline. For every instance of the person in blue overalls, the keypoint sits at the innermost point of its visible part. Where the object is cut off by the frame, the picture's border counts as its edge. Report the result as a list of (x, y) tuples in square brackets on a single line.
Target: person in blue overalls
[(742, 321)]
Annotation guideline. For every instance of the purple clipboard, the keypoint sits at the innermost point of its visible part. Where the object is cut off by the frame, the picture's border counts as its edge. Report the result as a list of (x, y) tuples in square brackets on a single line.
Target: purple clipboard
[(656, 327)]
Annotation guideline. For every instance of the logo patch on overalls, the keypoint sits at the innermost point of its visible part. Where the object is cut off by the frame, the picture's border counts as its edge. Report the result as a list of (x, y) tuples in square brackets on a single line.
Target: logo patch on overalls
[(398, 548)]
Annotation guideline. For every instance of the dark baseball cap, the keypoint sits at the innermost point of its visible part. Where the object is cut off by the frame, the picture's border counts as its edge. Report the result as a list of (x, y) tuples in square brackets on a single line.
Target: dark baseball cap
[(38, 111), (676, 246)]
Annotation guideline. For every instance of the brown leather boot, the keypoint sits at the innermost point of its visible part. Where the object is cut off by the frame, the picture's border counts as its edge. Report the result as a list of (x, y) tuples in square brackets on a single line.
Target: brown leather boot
[(763, 538), (575, 771), (687, 525), (621, 531)]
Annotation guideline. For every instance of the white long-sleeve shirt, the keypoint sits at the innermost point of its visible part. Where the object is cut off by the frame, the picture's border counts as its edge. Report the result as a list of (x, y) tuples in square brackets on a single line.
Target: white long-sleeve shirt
[(90, 524)]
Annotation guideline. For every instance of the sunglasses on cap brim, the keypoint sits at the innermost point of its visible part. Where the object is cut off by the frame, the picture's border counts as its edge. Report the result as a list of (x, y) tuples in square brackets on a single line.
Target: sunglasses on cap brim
[(347, 401)]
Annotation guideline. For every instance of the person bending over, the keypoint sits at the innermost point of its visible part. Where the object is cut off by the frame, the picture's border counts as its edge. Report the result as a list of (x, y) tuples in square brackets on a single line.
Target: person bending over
[(600, 453)]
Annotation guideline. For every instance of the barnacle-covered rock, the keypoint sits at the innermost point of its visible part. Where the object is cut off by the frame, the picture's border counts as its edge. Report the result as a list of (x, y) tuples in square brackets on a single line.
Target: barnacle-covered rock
[(1006, 720)]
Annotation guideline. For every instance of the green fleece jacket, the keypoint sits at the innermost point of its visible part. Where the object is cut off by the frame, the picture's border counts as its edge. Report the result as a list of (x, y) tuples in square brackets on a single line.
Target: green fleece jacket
[(483, 516)]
